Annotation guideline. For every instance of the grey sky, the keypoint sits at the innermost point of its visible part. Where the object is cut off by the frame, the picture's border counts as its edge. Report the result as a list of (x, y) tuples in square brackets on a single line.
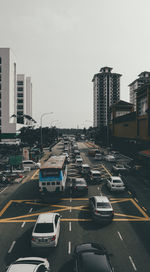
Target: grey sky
[(61, 44)]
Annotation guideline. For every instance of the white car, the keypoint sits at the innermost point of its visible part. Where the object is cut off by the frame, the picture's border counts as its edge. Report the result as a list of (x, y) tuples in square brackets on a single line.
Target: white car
[(67, 156), (85, 169), (115, 184), (110, 158), (31, 164), (32, 264), (101, 208), (98, 157), (119, 168), (46, 230), (95, 176), (79, 162)]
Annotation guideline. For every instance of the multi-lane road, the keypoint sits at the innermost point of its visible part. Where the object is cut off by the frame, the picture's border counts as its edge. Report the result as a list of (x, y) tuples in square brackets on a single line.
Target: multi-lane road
[(127, 238)]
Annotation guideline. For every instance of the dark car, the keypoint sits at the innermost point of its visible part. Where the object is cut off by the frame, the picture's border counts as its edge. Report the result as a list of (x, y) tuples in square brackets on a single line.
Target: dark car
[(91, 257), (78, 186)]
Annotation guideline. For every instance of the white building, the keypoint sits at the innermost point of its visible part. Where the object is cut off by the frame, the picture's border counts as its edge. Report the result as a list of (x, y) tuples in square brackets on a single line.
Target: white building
[(144, 77), (106, 91), (29, 98), (8, 125)]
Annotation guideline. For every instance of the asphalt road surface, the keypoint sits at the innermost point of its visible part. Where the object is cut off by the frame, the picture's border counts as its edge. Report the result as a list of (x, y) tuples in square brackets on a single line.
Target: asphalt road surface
[(127, 237)]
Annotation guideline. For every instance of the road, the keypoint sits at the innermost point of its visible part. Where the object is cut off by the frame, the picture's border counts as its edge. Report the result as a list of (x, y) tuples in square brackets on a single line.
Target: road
[(126, 238)]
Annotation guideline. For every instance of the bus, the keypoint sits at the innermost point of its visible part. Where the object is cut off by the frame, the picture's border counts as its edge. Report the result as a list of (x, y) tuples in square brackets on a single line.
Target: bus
[(52, 176)]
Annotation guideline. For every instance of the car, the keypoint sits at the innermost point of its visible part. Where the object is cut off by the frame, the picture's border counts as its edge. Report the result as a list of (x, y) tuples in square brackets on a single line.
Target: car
[(46, 230), (95, 176), (67, 156), (85, 169), (79, 186), (30, 164), (101, 208), (32, 264), (79, 162), (98, 157), (109, 158), (119, 168), (91, 257), (115, 183)]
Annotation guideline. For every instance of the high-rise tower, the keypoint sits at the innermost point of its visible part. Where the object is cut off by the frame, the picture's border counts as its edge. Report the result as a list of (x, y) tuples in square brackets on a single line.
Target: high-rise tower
[(106, 91)]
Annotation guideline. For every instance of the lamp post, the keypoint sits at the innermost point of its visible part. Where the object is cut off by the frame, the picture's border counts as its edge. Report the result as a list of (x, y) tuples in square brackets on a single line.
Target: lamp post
[(46, 113)]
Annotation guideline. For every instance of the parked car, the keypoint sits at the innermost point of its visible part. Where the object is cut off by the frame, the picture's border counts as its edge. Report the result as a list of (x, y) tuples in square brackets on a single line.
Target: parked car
[(95, 176), (79, 186), (119, 168), (32, 264), (67, 156), (109, 158), (46, 230), (91, 257), (101, 208), (115, 184), (30, 164)]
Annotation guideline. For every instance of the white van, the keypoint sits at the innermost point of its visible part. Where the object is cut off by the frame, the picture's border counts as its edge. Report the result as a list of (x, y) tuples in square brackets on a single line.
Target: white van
[(79, 162), (95, 176), (30, 164)]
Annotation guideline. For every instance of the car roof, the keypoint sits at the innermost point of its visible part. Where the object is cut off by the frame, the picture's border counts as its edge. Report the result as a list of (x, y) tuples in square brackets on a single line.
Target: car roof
[(46, 217), (95, 171), (79, 179), (85, 165), (101, 199), (116, 178), (22, 267), (93, 261)]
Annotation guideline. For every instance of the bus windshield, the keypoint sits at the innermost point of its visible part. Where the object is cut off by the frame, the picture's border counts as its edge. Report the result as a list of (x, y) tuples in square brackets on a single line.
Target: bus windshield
[(50, 172)]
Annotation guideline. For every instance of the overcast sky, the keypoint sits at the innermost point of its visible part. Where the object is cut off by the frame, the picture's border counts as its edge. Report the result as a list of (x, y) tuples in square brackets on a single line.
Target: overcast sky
[(61, 44)]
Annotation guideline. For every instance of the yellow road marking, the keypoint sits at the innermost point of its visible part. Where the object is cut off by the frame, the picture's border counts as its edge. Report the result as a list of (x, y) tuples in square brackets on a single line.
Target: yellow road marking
[(139, 208), (106, 170), (6, 207), (35, 174)]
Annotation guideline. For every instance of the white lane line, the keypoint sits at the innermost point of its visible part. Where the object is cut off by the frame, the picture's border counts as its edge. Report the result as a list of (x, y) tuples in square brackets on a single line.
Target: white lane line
[(69, 247), (70, 209), (12, 245), (69, 226), (23, 224), (70, 199), (97, 188), (30, 210), (136, 200), (3, 190), (120, 236), (134, 267)]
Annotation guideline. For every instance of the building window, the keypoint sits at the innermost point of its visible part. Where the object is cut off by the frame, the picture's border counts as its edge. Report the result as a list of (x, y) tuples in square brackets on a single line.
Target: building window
[(0, 78), (0, 69), (19, 113), (20, 101), (20, 89), (20, 107), (19, 82), (0, 86), (20, 95), (0, 60)]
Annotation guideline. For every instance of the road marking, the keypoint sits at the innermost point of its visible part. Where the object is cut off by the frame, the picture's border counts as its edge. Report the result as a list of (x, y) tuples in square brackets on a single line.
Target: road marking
[(23, 224), (97, 188), (144, 208), (3, 190), (6, 207), (120, 236), (136, 200), (70, 200), (69, 226), (129, 193), (134, 267), (30, 210), (69, 247), (106, 170), (70, 209), (12, 245), (35, 174)]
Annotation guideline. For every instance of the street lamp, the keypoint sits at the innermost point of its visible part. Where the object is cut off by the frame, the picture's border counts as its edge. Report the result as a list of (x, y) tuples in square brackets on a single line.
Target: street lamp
[(54, 121), (46, 113)]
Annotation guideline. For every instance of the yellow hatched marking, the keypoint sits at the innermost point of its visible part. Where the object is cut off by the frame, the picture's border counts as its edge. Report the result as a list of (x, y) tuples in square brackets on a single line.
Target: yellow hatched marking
[(6, 207), (106, 170)]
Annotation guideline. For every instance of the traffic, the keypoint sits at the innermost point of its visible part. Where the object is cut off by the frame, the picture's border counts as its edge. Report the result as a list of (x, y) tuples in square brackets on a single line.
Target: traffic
[(82, 211)]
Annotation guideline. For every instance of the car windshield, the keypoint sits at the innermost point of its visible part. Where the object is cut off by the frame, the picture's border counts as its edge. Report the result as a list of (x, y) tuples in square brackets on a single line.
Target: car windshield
[(103, 205), (80, 182), (44, 228), (117, 181), (96, 175)]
